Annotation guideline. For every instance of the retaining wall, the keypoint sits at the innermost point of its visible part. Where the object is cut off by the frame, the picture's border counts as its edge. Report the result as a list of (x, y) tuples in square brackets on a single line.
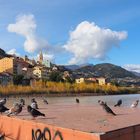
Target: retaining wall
[(17, 129)]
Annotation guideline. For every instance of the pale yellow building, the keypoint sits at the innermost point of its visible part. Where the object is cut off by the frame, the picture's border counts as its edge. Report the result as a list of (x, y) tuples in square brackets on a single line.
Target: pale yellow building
[(101, 81), (13, 65), (80, 80), (7, 65), (40, 72)]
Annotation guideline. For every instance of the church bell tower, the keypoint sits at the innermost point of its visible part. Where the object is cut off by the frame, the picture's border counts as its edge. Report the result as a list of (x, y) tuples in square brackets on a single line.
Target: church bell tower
[(41, 57)]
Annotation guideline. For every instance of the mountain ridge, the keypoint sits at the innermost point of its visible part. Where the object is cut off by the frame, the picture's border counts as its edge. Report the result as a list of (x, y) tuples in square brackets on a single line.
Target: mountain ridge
[(106, 70)]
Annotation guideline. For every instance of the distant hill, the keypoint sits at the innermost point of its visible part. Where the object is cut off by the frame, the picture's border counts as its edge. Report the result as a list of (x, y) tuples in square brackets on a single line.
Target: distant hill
[(136, 73), (72, 67), (106, 70), (62, 68), (2, 53)]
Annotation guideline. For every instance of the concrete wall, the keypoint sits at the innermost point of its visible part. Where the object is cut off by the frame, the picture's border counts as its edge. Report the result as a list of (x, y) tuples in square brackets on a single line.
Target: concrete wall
[(129, 133), (16, 129)]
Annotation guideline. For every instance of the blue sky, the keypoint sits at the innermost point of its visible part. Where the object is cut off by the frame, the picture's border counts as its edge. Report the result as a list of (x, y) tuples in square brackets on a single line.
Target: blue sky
[(56, 19)]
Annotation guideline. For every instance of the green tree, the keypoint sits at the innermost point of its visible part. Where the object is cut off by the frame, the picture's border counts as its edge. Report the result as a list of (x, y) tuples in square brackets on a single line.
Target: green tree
[(56, 76), (17, 79)]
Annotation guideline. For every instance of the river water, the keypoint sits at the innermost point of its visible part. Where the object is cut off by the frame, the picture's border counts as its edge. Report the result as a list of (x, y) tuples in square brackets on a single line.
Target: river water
[(84, 100)]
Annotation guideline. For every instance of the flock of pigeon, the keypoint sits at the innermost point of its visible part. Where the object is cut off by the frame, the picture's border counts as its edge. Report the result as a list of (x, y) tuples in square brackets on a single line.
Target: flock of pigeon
[(118, 104), (34, 112), (18, 106)]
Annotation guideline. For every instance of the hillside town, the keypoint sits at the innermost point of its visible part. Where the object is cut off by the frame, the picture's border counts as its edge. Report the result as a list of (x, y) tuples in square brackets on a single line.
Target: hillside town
[(24, 71)]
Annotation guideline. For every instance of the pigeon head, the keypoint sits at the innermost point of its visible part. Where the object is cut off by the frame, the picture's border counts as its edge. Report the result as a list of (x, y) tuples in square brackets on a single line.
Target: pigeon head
[(33, 100), (101, 102), (22, 101)]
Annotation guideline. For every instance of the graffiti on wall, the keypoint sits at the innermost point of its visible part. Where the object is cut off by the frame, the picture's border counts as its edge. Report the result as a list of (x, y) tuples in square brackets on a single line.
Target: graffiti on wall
[(46, 134)]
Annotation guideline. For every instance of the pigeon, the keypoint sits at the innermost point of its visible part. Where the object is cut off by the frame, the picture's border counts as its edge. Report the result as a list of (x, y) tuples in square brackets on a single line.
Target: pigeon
[(22, 102), (45, 101), (15, 110), (135, 104), (106, 108), (34, 113), (18, 109), (77, 100), (3, 109), (118, 103), (34, 104), (3, 101)]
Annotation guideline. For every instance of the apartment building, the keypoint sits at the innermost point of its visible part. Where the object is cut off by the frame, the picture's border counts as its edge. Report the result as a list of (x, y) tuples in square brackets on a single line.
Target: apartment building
[(13, 65)]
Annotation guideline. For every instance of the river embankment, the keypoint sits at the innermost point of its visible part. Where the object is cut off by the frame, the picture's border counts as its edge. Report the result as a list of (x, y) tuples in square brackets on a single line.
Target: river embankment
[(52, 89)]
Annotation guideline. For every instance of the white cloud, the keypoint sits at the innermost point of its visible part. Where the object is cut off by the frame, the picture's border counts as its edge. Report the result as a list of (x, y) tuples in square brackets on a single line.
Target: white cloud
[(12, 52), (25, 25), (132, 67), (89, 41)]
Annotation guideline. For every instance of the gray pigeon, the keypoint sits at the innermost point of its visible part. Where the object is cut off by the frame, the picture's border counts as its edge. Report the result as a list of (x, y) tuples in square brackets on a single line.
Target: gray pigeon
[(34, 113), (45, 101), (135, 104), (77, 100), (22, 101), (3, 101), (34, 103), (106, 108), (118, 103), (15, 110), (3, 109), (33, 100)]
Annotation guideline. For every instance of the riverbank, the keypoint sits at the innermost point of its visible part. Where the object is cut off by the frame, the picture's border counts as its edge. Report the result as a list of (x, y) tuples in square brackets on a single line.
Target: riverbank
[(65, 89)]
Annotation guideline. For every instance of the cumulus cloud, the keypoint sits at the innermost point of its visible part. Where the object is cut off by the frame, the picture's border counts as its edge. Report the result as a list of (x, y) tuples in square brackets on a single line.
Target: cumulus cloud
[(132, 67), (89, 41), (26, 26), (13, 52)]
